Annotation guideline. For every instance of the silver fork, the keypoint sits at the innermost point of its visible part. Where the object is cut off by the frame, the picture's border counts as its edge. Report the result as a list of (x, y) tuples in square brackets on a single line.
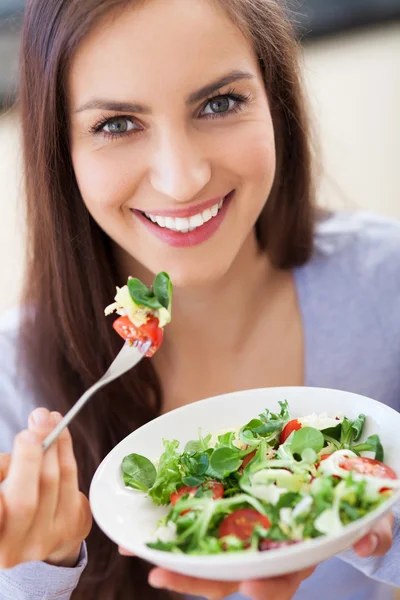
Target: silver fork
[(127, 358)]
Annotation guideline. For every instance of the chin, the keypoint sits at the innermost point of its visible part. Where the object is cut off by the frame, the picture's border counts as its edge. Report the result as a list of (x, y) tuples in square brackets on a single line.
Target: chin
[(196, 273)]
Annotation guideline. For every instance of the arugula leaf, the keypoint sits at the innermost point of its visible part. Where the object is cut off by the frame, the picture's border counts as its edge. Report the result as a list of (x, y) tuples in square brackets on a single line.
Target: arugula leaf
[(268, 426), (163, 290), (169, 476), (351, 431), (138, 472), (224, 461), (305, 438), (141, 294), (371, 444)]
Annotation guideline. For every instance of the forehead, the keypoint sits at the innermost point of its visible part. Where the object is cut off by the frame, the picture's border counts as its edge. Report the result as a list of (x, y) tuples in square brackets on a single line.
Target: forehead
[(158, 46)]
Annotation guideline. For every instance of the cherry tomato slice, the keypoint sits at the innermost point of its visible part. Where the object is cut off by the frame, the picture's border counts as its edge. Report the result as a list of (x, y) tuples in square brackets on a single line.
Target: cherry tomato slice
[(368, 466), (149, 331), (216, 488), (293, 425), (241, 523), (266, 545), (175, 496)]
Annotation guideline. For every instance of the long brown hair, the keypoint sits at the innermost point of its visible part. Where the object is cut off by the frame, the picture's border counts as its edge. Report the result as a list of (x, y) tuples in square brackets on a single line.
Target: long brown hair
[(71, 274)]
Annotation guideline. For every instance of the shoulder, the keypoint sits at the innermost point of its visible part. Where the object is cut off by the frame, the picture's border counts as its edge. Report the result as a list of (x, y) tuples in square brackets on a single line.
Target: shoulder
[(349, 293), (16, 401), (360, 240), (357, 255)]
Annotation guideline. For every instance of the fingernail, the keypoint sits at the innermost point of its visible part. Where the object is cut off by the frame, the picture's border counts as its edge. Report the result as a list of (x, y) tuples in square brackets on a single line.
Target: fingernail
[(56, 417), (41, 416), (155, 581), (29, 437), (373, 543)]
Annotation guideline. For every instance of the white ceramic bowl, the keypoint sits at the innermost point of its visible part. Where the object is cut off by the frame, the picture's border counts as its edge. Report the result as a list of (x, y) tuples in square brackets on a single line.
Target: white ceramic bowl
[(129, 518)]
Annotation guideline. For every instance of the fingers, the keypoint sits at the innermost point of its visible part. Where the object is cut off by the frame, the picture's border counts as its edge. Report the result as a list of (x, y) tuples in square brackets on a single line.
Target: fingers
[(279, 588), (21, 488), (41, 422), (125, 552), (379, 539), (213, 590)]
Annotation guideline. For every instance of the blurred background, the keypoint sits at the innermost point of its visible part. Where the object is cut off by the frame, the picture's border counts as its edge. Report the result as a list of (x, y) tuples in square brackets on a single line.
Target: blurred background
[(352, 71)]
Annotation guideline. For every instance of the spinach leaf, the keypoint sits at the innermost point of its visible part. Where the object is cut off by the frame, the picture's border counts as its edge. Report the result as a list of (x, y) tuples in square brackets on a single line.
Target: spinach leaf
[(141, 294), (163, 289), (138, 472), (371, 444), (306, 437), (169, 476), (224, 461)]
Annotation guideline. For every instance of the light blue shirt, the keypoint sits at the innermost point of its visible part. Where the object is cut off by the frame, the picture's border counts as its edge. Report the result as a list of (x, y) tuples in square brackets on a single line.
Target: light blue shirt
[(349, 296)]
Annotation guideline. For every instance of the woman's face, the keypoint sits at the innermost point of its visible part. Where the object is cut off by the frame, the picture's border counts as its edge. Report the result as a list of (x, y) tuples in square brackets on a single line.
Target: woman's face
[(171, 136)]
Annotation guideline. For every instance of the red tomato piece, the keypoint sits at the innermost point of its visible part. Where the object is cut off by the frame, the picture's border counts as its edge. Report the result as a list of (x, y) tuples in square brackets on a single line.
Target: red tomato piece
[(216, 488), (175, 496), (369, 466), (241, 523), (293, 425), (265, 545), (246, 460), (149, 331)]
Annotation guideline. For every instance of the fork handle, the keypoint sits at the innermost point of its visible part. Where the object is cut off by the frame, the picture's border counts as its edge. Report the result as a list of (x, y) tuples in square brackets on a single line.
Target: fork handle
[(71, 414)]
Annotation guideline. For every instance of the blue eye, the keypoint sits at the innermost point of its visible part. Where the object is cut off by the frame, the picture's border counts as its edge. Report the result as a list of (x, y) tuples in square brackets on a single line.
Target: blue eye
[(223, 105), (118, 126), (220, 104)]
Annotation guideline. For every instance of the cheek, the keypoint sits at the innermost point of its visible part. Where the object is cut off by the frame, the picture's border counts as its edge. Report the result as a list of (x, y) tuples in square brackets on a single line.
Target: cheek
[(252, 156), (106, 183)]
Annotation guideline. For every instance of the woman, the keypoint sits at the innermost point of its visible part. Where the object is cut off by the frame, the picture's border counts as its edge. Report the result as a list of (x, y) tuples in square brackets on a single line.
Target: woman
[(138, 116)]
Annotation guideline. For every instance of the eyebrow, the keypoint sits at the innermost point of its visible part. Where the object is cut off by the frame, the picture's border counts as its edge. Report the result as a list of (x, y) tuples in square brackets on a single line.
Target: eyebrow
[(129, 107)]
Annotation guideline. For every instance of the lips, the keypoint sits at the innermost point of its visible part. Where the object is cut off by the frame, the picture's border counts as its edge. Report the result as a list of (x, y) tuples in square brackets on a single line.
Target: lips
[(190, 230)]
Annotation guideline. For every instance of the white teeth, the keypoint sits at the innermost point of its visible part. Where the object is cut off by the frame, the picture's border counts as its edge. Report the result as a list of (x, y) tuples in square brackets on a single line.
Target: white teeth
[(206, 214), (170, 223), (184, 225), (160, 221), (196, 221)]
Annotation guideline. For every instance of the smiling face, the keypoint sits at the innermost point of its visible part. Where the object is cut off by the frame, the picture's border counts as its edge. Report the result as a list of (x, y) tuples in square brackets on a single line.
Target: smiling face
[(171, 136)]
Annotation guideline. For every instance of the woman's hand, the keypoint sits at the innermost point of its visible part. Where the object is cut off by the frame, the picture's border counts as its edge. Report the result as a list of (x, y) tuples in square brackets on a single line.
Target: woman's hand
[(376, 543), (43, 515)]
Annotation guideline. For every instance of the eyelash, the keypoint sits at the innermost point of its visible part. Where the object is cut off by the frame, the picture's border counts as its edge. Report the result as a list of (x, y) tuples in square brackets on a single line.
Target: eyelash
[(239, 99)]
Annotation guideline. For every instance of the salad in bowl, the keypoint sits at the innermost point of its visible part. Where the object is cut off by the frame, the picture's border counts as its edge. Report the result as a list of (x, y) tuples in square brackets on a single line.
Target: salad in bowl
[(251, 484)]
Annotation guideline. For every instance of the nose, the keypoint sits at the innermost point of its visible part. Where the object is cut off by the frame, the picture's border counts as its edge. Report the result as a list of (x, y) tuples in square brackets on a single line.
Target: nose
[(179, 168)]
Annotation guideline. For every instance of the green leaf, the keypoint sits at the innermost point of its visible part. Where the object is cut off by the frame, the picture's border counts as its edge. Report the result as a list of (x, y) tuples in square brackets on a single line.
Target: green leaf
[(192, 481), (225, 461), (306, 437), (371, 444), (169, 476), (138, 472), (196, 464), (351, 430), (141, 294), (163, 289), (226, 439), (195, 446)]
